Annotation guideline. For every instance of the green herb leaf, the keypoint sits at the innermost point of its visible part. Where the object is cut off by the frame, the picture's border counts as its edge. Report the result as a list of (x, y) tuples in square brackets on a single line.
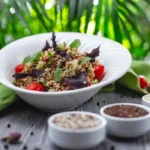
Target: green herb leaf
[(62, 46), (27, 59), (36, 57), (57, 74), (75, 44), (49, 54), (84, 60)]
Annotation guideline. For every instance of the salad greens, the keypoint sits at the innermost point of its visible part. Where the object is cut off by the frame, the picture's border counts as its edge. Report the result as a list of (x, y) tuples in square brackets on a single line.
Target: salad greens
[(30, 59), (84, 60), (75, 44), (57, 74)]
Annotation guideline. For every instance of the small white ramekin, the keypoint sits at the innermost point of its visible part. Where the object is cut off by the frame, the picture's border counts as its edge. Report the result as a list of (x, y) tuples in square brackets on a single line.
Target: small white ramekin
[(79, 138), (145, 100), (127, 127)]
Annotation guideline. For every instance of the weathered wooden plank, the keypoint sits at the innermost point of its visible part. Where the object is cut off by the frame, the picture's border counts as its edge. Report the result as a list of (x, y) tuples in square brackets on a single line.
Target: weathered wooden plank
[(33, 124)]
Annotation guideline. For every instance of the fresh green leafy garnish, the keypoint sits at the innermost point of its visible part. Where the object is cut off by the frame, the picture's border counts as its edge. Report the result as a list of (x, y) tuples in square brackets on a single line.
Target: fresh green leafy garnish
[(57, 74), (75, 44), (84, 60), (27, 59), (35, 57), (49, 54), (62, 46)]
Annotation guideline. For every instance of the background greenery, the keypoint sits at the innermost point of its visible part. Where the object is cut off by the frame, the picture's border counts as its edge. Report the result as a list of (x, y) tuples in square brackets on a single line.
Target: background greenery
[(125, 21)]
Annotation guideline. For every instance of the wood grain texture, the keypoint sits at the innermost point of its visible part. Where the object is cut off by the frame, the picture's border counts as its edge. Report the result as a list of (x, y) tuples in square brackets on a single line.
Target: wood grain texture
[(32, 123)]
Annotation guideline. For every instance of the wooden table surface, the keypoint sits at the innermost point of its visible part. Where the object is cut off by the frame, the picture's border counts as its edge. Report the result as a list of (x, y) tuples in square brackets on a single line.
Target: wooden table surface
[(32, 123)]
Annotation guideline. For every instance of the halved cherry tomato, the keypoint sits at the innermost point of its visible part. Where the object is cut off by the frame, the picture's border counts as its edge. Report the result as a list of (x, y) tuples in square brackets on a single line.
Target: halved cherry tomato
[(99, 71), (19, 67), (35, 86), (143, 81)]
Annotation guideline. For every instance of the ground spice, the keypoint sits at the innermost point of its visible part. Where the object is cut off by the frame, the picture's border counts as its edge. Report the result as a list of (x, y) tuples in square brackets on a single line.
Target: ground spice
[(125, 111), (76, 121)]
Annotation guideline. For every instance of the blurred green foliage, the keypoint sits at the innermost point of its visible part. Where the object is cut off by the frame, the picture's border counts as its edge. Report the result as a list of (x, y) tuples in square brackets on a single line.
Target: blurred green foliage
[(125, 21)]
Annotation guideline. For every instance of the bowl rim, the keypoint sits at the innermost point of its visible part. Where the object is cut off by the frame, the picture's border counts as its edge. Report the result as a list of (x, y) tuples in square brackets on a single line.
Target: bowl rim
[(144, 98), (95, 86), (125, 119), (86, 130)]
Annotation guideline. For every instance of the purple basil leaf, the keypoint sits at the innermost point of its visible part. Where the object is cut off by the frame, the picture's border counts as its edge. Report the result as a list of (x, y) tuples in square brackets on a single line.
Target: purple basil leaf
[(78, 81), (55, 47), (63, 54), (36, 73), (46, 47), (94, 53), (19, 75)]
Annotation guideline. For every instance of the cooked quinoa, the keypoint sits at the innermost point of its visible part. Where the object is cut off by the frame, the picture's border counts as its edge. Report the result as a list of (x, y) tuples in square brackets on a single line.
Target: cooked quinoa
[(58, 67)]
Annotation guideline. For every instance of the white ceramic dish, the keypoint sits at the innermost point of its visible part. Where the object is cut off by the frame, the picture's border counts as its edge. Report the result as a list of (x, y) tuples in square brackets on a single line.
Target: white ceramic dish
[(79, 138), (146, 100), (113, 56), (127, 127)]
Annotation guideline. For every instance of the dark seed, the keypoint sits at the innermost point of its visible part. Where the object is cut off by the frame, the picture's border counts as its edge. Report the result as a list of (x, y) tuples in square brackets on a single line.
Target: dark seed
[(32, 133), (29, 117), (112, 148), (9, 125), (97, 103), (104, 101), (32, 125), (6, 146), (37, 149), (25, 147)]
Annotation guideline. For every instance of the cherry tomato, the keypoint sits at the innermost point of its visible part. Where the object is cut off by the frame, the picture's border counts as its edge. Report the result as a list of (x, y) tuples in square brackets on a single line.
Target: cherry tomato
[(143, 81), (99, 71), (35, 86), (19, 68)]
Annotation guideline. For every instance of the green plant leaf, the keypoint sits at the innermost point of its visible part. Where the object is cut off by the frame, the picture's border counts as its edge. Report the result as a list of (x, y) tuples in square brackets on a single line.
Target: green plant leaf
[(36, 57), (7, 97), (75, 44), (57, 74), (33, 58), (27, 59), (62, 46), (84, 60), (88, 14), (98, 16)]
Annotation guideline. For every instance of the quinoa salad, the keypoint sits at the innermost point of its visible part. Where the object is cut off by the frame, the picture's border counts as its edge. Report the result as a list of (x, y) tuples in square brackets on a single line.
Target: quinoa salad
[(59, 67)]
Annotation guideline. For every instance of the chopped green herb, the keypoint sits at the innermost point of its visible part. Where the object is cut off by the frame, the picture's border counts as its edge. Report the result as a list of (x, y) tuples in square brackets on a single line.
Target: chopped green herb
[(57, 74), (36, 57), (27, 59), (49, 54), (33, 58), (84, 60), (75, 44), (62, 46)]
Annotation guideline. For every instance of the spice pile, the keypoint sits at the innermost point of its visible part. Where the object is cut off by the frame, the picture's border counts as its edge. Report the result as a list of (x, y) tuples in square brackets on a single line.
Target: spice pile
[(76, 121), (125, 111)]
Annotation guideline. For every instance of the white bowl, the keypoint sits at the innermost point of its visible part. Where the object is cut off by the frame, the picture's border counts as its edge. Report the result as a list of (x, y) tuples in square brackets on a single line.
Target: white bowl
[(113, 56), (127, 127), (146, 100), (79, 138)]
